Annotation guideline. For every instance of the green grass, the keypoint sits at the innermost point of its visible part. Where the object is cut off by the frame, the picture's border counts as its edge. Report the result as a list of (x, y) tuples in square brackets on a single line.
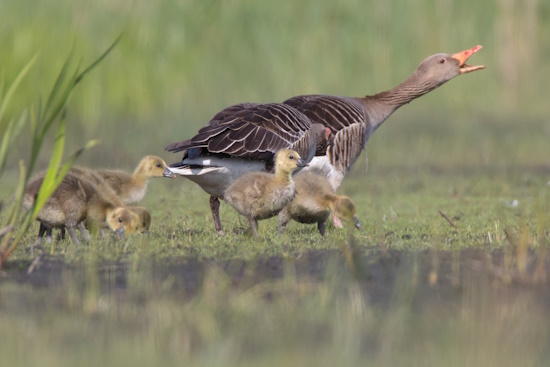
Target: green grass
[(397, 206), (468, 149)]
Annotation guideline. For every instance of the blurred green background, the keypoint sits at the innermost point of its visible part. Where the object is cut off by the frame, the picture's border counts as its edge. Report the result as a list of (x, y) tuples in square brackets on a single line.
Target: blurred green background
[(181, 61), (469, 147)]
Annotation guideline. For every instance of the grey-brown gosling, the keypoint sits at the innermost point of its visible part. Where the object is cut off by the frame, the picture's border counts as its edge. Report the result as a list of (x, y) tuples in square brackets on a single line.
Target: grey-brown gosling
[(261, 195), (119, 186), (76, 203), (131, 188), (314, 201), (96, 179)]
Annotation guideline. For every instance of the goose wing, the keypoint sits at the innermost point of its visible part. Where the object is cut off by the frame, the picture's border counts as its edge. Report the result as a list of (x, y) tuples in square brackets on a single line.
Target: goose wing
[(333, 112), (250, 130), (347, 146)]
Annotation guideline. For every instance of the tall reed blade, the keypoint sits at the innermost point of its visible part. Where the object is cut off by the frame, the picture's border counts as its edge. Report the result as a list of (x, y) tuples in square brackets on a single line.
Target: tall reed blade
[(41, 122)]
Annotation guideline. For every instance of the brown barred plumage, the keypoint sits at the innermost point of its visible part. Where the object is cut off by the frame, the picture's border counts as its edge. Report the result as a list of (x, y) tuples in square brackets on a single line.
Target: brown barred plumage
[(250, 130)]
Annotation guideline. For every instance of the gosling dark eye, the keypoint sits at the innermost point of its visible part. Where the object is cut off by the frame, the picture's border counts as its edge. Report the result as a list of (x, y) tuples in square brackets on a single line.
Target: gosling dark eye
[(442, 61), (120, 219), (159, 165), (291, 157)]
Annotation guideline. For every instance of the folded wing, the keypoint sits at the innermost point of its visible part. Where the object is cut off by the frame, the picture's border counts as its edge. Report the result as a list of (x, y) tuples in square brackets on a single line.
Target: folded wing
[(250, 130)]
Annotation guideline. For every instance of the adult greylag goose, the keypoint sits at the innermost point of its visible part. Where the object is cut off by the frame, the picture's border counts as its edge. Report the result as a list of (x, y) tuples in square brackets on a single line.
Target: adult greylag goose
[(262, 195), (76, 203), (240, 139), (353, 120)]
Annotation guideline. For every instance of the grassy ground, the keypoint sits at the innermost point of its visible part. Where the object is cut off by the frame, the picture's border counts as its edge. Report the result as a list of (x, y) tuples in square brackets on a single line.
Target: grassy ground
[(397, 209), (398, 202), (475, 149)]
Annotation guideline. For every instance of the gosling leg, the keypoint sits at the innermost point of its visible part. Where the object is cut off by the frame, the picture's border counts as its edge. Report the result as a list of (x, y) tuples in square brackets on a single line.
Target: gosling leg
[(284, 218), (62, 230), (72, 233), (254, 227), (85, 234), (41, 231)]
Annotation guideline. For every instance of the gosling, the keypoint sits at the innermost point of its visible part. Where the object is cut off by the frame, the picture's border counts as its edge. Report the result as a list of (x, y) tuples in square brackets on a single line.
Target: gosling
[(123, 221), (131, 188), (315, 200), (97, 180), (76, 203), (261, 195), (143, 217)]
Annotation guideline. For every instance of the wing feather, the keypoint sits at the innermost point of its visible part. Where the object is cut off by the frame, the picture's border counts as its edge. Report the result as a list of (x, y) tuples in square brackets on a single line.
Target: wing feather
[(347, 146), (250, 130), (332, 111)]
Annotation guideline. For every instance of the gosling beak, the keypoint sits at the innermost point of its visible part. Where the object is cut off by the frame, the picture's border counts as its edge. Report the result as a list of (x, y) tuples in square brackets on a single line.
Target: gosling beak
[(168, 173), (120, 232), (302, 163), (356, 222), (463, 56)]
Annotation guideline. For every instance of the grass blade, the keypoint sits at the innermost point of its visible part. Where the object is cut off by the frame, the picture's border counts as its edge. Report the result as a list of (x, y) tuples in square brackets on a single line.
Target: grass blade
[(13, 86), (48, 184), (98, 60)]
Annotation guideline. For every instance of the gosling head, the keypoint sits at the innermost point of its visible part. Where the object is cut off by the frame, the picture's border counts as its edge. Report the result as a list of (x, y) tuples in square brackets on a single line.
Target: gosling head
[(122, 221), (288, 160), (153, 166), (344, 209)]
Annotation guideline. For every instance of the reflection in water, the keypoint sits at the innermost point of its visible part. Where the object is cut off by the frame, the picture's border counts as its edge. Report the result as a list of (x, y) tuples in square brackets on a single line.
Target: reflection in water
[(325, 307)]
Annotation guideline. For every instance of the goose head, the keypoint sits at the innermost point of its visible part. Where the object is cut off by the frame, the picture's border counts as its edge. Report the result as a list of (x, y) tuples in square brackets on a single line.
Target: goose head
[(440, 68)]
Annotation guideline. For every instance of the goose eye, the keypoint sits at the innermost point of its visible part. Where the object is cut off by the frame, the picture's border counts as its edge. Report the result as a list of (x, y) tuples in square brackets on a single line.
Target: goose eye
[(159, 165), (120, 219), (442, 61), (291, 157)]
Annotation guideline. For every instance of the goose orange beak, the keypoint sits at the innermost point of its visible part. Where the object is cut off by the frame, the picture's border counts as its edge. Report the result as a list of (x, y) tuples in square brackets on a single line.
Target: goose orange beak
[(463, 56)]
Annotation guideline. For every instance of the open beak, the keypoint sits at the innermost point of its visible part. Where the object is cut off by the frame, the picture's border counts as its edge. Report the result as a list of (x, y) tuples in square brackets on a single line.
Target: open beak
[(356, 222), (302, 163), (463, 56), (168, 173)]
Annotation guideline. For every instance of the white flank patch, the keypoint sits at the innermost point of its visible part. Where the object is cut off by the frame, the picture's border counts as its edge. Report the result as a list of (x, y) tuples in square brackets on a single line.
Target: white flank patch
[(214, 175)]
